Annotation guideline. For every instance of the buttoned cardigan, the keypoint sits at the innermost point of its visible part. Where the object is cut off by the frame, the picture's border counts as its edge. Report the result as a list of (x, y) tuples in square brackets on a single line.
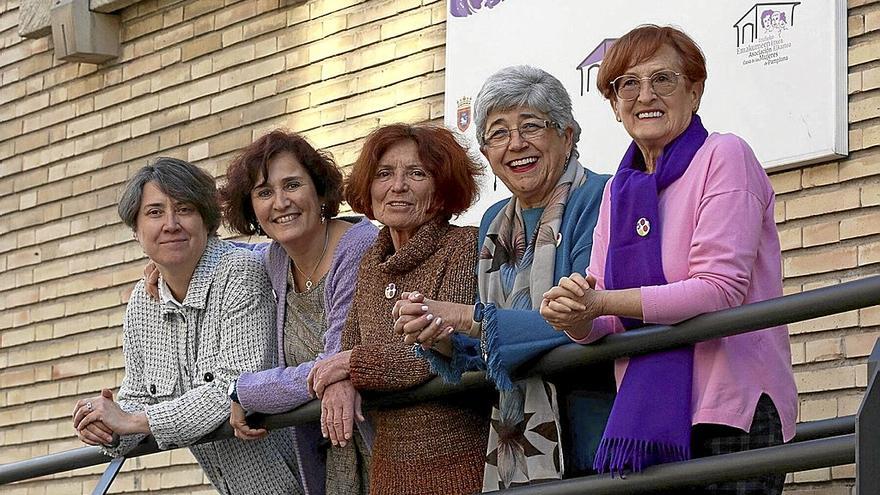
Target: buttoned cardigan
[(179, 362)]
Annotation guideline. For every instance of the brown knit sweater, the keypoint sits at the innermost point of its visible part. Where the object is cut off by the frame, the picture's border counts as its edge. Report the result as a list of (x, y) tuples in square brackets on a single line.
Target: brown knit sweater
[(435, 447)]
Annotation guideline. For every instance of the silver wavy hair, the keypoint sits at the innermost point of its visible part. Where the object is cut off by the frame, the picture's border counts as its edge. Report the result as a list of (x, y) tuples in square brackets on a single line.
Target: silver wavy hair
[(525, 86)]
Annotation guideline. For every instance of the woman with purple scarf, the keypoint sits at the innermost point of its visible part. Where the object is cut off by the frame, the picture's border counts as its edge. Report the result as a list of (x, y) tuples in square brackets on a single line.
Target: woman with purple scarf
[(685, 227)]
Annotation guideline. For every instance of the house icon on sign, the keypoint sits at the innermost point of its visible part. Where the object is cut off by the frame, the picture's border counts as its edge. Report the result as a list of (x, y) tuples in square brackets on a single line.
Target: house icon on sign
[(764, 19), (593, 61)]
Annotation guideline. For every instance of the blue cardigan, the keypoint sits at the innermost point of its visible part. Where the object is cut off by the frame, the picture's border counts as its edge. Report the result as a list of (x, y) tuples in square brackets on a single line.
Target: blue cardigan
[(514, 337)]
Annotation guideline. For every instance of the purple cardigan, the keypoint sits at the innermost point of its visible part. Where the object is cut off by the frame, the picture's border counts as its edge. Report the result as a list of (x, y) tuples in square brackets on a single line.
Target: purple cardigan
[(284, 388)]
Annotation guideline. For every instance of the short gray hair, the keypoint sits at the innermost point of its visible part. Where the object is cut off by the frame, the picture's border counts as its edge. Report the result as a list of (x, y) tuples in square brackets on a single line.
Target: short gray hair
[(525, 86), (178, 179)]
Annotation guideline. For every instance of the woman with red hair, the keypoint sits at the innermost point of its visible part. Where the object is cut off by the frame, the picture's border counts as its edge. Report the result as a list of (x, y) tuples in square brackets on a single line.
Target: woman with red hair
[(413, 179)]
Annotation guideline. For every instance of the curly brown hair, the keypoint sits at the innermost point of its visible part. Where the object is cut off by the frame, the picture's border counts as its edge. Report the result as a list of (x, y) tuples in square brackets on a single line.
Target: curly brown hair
[(251, 165)]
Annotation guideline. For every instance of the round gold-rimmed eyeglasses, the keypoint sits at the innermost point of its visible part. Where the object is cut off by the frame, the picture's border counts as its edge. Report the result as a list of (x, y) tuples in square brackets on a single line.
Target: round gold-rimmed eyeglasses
[(530, 129), (628, 87)]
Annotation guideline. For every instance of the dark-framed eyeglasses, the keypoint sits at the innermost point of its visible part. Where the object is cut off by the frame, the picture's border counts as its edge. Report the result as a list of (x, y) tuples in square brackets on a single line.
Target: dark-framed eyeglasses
[(628, 87), (528, 130)]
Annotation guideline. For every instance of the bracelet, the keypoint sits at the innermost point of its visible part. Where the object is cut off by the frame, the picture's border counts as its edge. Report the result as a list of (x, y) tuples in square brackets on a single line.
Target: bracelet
[(232, 392), (477, 320)]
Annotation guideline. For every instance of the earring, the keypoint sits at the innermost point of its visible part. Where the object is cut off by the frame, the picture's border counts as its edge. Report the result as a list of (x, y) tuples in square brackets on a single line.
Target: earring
[(257, 229), (617, 116), (495, 184), (323, 212)]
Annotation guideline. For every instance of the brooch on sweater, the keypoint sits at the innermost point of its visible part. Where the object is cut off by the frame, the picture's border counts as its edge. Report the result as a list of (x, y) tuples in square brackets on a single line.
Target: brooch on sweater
[(390, 291)]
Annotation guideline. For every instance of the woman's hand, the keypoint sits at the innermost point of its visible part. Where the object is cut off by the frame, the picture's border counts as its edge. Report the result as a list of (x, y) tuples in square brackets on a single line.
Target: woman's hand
[(328, 371), (427, 322), (340, 406), (96, 433), (572, 305), (151, 280), (104, 409), (243, 431)]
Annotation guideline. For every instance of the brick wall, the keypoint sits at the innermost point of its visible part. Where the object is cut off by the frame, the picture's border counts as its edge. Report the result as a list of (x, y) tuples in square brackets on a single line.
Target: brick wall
[(199, 79), (829, 228), (196, 80)]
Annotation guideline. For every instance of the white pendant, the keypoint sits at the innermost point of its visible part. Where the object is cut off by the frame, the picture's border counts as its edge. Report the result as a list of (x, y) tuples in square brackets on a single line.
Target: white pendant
[(390, 291), (643, 227), (308, 285)]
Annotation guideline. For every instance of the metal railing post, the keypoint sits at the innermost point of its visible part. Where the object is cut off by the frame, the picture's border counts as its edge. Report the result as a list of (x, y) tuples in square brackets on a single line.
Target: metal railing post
[(868, 431), (108, 476)]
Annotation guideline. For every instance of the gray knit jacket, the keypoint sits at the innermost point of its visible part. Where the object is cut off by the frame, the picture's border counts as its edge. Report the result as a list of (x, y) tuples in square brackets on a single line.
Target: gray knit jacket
[(179, 362)]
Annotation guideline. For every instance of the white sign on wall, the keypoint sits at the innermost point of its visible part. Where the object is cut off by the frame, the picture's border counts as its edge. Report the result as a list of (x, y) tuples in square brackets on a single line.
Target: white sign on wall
[(776, 70)]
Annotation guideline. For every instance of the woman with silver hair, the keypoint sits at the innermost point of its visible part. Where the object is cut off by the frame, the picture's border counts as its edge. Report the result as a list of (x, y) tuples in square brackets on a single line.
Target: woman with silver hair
[(212, 321), (526, 244)]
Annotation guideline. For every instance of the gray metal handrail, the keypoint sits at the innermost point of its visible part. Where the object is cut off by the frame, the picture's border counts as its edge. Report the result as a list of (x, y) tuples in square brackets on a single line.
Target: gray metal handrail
[(787, 309), (833, 451)]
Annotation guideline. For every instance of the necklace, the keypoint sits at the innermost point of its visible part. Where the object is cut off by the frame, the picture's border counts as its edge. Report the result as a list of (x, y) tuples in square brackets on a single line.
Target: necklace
[(308, 278)]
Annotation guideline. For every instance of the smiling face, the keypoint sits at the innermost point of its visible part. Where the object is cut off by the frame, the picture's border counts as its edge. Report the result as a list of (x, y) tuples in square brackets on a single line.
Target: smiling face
[(286, 203), (171, 233), (529, 168), (402, 191), (654, 121)]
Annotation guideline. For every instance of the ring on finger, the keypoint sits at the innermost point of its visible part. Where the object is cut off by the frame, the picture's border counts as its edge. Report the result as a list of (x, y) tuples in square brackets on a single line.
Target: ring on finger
[(89, 406)]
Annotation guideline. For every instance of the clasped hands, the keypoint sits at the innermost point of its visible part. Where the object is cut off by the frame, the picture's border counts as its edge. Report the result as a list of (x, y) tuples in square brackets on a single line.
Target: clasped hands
[(572, 305), (427, 322), (99, 420)]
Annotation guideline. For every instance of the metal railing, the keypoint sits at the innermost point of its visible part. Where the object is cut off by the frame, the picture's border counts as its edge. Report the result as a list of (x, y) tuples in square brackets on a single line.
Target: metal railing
[(817, 444)]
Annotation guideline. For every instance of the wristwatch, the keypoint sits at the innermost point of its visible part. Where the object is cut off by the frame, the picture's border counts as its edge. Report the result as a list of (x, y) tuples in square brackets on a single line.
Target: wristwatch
[(232, 393), (477, 323)]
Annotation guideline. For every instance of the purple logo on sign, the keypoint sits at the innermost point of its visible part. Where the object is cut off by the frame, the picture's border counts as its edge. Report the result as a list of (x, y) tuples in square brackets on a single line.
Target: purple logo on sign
[(464, 8), (764, 21), (593, 60)]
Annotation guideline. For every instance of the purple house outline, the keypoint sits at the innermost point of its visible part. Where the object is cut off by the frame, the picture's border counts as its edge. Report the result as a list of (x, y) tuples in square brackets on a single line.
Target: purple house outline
[(594, 60), (747, 25)]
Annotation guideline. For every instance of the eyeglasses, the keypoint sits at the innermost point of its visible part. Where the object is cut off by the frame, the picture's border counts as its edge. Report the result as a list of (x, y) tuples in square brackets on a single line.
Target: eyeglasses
[(628, 87), (528, 130)]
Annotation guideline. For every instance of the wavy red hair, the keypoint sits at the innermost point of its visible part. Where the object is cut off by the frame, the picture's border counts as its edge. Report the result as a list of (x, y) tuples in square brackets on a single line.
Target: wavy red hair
[(454, 171)]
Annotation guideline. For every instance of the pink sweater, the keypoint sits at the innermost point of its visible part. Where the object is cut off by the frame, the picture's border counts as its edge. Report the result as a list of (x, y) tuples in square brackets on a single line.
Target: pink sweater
[(720, 250)]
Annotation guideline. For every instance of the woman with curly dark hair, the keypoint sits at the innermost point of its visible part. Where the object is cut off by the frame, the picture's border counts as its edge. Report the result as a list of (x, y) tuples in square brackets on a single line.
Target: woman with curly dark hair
[(283, 188)]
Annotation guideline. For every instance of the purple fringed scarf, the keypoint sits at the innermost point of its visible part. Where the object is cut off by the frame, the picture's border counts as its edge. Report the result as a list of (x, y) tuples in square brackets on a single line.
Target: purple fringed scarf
[(650, 422)]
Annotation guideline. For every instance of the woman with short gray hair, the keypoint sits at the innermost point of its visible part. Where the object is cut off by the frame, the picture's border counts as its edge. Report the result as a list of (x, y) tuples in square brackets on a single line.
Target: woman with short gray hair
[(526, 130), (213, 320)]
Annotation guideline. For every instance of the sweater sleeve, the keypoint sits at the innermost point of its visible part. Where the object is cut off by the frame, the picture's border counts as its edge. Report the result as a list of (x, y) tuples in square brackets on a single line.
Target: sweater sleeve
[(246, 344), (285, 387), (341, 283), (726, 237), (132, 396)]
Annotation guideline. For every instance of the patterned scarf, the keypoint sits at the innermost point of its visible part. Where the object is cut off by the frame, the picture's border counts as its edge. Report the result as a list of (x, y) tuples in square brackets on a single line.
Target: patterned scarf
[(650, 422), (513, 274)]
